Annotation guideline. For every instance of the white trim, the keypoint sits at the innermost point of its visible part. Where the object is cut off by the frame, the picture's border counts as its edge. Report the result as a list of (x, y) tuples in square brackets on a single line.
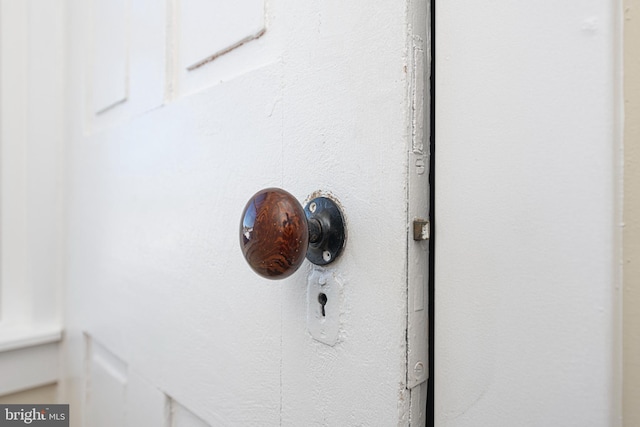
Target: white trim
[(28, 367), (23, 338), (29, 357), (32, 79), (31, 165)]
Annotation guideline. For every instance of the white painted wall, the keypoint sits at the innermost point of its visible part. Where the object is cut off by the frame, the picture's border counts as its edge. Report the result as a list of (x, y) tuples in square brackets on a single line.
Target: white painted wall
[(527, 205), (32, 122), (31, 134), (631, 247)]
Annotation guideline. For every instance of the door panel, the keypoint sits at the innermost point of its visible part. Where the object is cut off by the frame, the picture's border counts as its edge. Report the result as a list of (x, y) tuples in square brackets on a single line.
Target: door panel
[(210, 29), (127, 68), (109, 54), (106, 377), (318, 104)]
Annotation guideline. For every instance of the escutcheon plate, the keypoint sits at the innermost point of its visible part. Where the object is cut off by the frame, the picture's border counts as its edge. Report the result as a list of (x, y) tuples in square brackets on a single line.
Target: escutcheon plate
[(332, 240)]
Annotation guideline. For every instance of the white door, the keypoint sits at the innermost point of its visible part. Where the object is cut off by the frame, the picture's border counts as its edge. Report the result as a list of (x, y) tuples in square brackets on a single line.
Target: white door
[(528, 202), (178, 113)]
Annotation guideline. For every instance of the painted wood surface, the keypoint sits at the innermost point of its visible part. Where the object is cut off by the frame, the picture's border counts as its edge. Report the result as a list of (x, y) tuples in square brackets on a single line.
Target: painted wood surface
[(528, 213), (631, 248), (161, 306), (32, 127)]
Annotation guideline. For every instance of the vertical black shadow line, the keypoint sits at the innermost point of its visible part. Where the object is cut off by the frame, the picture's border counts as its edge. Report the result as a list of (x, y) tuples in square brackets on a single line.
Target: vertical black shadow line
[(432, 219)]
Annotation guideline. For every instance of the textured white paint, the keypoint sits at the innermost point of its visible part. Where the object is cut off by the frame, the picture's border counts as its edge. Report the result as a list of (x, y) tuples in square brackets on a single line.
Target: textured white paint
[(418, 209), (527, 241), (155, 272), (345, 129)]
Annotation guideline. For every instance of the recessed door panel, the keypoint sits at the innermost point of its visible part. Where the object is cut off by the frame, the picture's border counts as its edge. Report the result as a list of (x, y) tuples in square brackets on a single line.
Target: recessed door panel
[(210, 28), (109, 54)]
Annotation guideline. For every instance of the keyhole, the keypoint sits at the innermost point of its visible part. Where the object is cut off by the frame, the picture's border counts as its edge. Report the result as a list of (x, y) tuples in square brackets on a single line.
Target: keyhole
[(322, 299)]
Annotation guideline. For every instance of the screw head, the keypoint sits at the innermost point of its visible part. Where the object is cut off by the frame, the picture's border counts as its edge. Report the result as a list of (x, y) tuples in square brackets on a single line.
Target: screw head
[(326, 230)]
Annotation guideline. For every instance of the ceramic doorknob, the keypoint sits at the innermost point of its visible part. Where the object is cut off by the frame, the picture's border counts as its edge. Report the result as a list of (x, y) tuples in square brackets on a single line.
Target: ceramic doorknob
[(276, 232)]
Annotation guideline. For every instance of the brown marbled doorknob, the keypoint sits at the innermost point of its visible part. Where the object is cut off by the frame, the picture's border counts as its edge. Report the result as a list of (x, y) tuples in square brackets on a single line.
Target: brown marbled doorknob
[(276, 233)]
